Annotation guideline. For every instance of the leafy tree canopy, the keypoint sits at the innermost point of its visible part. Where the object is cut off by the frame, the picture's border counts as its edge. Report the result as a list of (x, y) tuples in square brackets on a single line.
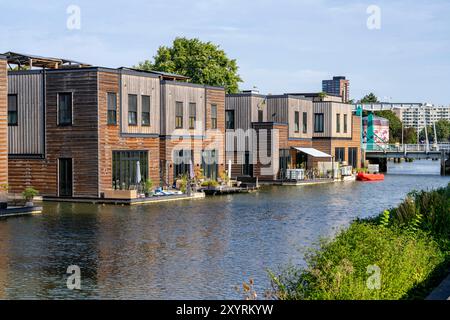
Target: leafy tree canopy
[(204, 62), (369, 98), (442, 131)]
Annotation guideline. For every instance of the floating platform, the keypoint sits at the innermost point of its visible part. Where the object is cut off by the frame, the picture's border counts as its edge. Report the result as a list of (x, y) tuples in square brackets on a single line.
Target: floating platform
[(306, 182), (153, 199), (19, 211), (228, 190)]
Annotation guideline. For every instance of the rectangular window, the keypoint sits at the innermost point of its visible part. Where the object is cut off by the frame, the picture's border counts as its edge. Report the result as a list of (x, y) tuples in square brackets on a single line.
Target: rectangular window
[(112, 108), (353, 157), (65, 109), (260, 115), (132, 110), (145, 111), (125, 166), (210, 164), (345, 123), (305, 122), (338, 122), (318, 122), (181, 162), (339, 154), (297, 121), (178, 115), (229, 119), (12, 110), (213, 116), (192, 115)]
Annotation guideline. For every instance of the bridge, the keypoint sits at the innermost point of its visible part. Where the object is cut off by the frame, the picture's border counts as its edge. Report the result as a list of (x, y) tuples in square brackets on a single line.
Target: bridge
[(386, 106), (381, 152)]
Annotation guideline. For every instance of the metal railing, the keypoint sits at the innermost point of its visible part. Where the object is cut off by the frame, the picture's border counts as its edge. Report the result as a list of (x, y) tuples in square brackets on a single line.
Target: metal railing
[(405, 147)]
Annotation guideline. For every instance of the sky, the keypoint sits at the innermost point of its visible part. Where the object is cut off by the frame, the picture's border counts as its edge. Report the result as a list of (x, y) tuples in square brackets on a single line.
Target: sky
[(280, 46)]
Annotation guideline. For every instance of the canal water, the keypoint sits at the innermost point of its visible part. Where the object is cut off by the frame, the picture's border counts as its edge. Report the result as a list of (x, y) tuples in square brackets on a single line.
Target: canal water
[(198, 249)]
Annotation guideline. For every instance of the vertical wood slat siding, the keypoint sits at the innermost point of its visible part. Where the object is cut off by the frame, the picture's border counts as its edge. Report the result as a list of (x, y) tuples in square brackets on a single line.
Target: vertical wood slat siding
[(330, 109), (139, 85), (110, 138), (79, 141), (3, 123), (187, 94), (27, 138)]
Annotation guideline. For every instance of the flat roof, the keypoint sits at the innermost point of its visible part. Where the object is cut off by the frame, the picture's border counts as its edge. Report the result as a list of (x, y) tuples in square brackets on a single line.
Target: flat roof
[(40, 61)]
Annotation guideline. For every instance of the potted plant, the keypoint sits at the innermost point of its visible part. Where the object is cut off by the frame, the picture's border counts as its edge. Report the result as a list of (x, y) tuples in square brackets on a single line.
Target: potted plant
[(148, 185), (4, 196), (28, 194)]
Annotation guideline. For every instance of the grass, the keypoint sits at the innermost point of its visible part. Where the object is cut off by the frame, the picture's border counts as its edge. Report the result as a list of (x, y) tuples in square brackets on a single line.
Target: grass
[(400, 254)]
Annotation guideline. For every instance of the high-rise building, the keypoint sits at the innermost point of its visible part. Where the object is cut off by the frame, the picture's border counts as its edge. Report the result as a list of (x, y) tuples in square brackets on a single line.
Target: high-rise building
[(427, 114), (338, 86)]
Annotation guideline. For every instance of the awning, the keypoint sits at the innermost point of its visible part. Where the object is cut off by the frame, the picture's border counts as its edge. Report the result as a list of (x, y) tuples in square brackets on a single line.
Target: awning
[(313, 152)]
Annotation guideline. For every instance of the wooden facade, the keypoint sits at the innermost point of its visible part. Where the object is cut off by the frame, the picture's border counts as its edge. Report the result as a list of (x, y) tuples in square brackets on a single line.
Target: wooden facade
[(3, 122)]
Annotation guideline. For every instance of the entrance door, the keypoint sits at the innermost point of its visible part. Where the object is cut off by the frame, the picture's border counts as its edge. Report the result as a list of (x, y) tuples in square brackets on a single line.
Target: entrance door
[(65, 177), (247, 168)]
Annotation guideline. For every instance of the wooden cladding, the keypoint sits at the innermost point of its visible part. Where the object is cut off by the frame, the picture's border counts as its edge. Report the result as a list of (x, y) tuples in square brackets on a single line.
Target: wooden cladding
[(3, 123), (27, 137), (337, 117)]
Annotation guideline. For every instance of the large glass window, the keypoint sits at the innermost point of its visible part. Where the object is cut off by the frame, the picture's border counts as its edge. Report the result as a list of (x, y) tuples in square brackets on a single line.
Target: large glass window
[(229, 119), (318, 122), (12, 110), (64, 109), (305, 122), (247, 167), (285, 160), (210, 164), (132, 110), (145, 111), (260, 115), (353, 157), (125, 168), (112, 108), (192, 115), (178, 115), (213, 116), (339, 154), (181, 162), (297, 121)]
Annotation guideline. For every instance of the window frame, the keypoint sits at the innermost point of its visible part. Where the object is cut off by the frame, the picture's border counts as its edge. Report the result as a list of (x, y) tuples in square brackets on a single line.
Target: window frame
[(192, 115), (109, 110), (296, 121), (319, 120), (58, 109), (227, 122), (305, 122), (146, 114), (16, 123), (338, 123), (214, 116), (135, 123), (345, 123), (179, 119)]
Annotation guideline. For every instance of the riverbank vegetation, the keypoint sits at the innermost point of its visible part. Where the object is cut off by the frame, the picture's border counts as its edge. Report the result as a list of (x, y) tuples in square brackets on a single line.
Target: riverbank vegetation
[(401, 254)]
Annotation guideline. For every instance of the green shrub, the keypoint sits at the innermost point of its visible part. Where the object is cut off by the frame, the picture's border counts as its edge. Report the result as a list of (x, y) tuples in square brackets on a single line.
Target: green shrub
[(29, 193)]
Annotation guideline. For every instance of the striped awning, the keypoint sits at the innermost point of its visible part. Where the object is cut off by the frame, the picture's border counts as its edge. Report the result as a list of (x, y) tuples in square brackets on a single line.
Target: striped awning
[(313, 152)]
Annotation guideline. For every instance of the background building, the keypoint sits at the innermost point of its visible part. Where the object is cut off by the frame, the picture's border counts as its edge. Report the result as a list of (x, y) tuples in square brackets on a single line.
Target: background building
[(417, 116), (337, 86)]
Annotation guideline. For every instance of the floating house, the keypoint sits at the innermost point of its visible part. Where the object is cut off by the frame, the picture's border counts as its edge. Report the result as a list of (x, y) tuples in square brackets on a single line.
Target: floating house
[(78, 131)]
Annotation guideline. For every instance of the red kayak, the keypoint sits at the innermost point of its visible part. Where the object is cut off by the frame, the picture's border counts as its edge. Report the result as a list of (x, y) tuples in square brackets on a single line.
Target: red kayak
[(369, 176)]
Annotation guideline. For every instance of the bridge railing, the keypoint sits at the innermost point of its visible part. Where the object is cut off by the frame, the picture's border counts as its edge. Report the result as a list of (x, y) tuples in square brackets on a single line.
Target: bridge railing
[(405, 147)]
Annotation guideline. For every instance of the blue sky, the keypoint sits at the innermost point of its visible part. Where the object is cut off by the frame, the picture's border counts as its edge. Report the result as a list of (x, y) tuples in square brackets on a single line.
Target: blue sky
[(280, 46)]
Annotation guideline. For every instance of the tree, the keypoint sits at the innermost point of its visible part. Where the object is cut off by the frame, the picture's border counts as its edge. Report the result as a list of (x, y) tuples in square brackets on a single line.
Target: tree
[(369, 98), (395, 125), (442, 131), (409, 136), (204, 62)]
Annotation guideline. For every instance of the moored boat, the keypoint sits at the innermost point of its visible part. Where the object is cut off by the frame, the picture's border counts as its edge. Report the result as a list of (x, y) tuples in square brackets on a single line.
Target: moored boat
[(362, 176)]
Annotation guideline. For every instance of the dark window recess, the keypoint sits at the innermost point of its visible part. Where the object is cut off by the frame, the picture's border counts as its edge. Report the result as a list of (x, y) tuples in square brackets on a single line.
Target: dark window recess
[(297, 121), (339, 154), (247, 167), (213, 116), (65, 109), (353, 157), (260, 115), (145, 111), (210, 165), (192, 115), (181, 162), (338, 123), (125, 168), (65, 177), (178, 115), (229, 119), (345, 123), (12, 110), (285, 160), (112, 108), (305, 122), (132, 109), (318, 122)]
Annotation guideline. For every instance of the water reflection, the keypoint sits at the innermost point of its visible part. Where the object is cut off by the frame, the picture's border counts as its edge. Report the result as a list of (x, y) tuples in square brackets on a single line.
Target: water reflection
[(196, 249)]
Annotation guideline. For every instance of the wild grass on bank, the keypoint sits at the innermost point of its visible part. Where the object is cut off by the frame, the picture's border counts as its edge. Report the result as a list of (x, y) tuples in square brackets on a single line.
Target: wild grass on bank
[(396, 255)]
